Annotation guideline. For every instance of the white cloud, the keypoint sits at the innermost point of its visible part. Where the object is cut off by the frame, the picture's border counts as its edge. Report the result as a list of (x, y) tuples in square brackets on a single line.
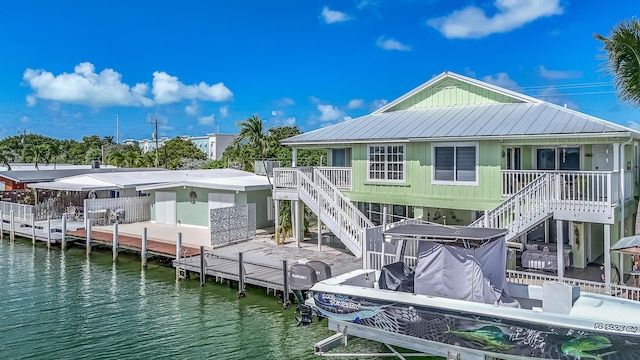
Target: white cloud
[(285, 101), (279, 118), (377, 104), (501, 79), (314, 100), (206, 120), (558, 75), (366, 3), (355, 104), (193, 108), (473, 22), (24, 119), (224, 111), (330, 113), (551, 94), (333, 16), (391, 44), (31, 100), (168, 89), (85, 87)]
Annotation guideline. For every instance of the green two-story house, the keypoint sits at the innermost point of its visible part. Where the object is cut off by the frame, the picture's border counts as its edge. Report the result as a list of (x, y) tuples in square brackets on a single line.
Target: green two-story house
[(459, 151)]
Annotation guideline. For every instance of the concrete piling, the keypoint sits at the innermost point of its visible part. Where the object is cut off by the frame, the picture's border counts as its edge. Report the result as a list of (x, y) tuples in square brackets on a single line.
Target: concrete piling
[(203, 274), (48, 231), (12, 226), (64, 232), (88, 246), (115, 242), (143, 252), (33, 230), (178, 254)]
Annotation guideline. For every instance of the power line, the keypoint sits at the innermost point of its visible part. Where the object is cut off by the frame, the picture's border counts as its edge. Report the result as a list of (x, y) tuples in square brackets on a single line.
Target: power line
[(156, 122)]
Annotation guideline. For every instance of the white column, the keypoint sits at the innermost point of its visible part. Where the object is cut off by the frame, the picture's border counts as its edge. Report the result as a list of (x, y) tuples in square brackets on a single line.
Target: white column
[(560, 248), (607, 259), (319, 223), (294, 157)]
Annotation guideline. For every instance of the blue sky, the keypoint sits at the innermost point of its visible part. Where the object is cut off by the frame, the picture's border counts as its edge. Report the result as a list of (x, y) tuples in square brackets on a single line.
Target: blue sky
[(69, 67)]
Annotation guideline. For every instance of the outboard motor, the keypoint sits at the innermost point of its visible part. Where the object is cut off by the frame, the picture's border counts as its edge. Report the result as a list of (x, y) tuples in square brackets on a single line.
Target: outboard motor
[(301, 279)]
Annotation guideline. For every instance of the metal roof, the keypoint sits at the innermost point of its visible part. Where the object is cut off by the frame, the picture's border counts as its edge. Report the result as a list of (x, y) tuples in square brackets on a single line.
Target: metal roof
[(30, 176), (224, 179), (445, 233), (491, 121)]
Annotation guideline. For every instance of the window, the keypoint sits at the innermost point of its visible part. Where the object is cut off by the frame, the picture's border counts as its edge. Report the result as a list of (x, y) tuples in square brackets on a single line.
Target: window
[(386, 163), (455, 163), (561, 158), (514, 158)]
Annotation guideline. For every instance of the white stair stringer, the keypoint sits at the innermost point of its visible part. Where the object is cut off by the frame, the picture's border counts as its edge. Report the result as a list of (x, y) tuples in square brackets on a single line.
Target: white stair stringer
[(522, 211), (336, 211)]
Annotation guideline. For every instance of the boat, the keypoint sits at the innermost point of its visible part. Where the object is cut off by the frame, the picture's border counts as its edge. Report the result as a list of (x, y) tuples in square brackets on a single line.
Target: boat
[(453, 292)]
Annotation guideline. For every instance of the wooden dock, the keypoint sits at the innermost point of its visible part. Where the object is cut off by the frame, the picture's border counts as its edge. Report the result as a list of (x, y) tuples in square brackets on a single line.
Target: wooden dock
[(264, 264)]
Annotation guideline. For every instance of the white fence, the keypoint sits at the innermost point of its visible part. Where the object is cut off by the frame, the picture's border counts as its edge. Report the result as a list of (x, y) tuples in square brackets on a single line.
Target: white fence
[(20, 212), (340, 177), (124, 210)]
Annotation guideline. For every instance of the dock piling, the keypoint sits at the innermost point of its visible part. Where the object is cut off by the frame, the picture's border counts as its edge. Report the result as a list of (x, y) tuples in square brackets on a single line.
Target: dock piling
[(115, 242), (88, 238), (1, 225), (48, 231), (12, 226), (203, 273), (285, 288), (143, 252), (33, 230), (64, 232), (178, 250), (241, 292)]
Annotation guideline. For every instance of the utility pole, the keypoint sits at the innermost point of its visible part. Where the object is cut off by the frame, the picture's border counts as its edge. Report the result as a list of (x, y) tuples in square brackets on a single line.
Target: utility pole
[(24, 135), (117, 132), (155, 133)]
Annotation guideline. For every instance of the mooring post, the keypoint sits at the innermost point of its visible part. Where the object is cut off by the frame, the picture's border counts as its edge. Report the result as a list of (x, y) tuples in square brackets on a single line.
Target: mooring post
[(33, 230), (49, 231), (115, 242), (178, 250), (143, 254), (285, 286), (1, 225), (63, 245), (12, 226), (203, 273), (88, 237), (241, 292)]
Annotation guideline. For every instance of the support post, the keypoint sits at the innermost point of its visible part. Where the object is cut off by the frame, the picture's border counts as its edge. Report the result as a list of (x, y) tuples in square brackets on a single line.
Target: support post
[(285, 286), (296, 222), (12, 226), (241, 292), (276, 220), (1, 225), (384, 217), (560, 248), (63, 244), (88, 246), (33, 230), (115, 242), (143, 253), (178, 251), (607, 259), (203, 273), (49, 231), (319, 223)]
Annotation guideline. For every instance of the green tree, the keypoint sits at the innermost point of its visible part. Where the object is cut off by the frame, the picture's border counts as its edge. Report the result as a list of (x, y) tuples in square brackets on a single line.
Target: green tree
[(622, 49), (7, 156), (35, 153), (175, 151), (54, 150)]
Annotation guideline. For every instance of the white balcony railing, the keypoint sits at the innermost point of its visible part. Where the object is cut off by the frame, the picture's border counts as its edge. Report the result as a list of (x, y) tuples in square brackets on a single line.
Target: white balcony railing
[(340, 177)]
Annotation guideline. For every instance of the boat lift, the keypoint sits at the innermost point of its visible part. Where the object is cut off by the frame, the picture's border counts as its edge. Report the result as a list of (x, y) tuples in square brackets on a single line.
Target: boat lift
[(345, 330)]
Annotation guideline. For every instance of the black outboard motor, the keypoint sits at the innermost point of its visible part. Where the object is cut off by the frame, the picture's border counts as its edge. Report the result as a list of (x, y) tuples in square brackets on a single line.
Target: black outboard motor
[(301, 279)]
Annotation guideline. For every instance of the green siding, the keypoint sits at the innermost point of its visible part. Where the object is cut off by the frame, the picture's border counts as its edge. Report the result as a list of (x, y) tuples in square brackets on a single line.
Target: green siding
[(450, 92), (196, 214), (260, 199), (418, 190)]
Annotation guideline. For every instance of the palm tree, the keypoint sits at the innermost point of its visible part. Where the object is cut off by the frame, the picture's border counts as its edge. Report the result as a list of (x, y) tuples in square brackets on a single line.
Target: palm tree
[(7, 156), (36, 154), (622, 49), (116, 158), (54, 150), (252, 131)]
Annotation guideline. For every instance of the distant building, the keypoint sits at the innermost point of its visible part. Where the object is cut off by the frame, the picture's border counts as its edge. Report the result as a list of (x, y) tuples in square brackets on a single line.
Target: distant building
[(211, 144)]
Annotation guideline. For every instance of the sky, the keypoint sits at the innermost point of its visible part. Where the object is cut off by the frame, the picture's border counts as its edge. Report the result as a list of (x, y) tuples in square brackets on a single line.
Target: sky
[(69, 69)]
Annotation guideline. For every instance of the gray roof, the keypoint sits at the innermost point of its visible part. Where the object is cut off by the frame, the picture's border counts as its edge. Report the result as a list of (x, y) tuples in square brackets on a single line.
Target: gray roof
[(525, 117), (502, 121), (31, 176)]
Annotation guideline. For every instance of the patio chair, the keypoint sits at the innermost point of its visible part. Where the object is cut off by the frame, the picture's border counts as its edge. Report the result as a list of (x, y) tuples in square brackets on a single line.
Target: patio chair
[(112, 217)]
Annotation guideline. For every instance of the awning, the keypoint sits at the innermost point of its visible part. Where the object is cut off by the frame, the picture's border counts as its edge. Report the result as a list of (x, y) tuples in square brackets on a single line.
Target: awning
[(628, 245)]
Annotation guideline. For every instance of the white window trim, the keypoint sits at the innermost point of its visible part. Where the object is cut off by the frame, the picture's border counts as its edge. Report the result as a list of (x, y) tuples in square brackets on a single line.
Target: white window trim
[(448, 182), (404, 165)]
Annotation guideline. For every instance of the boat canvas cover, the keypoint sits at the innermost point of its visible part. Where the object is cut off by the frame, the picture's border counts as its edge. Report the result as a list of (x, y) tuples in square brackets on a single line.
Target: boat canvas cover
[(473, 274)]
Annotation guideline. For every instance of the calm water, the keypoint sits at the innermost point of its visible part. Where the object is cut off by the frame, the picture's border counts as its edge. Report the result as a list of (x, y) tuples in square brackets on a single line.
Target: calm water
[(61, 305)]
